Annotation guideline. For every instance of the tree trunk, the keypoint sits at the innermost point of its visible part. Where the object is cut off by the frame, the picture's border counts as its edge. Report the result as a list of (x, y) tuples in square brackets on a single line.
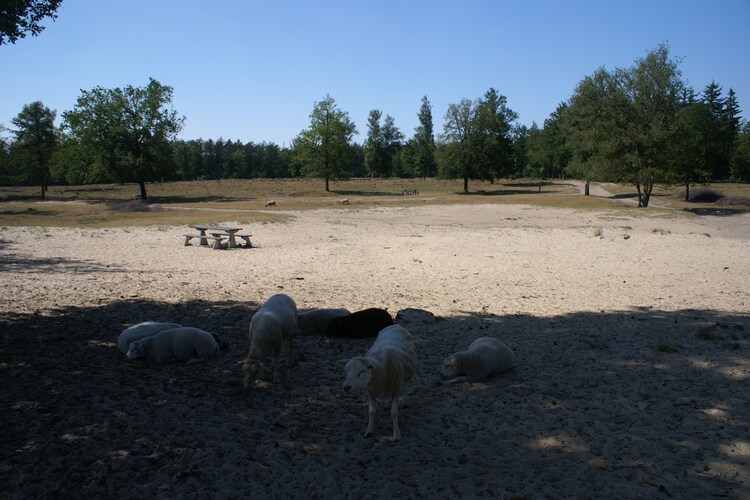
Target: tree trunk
[(466, 185), (640, 196), (44, 186), (327, 190), (687, 191), (142, 185)]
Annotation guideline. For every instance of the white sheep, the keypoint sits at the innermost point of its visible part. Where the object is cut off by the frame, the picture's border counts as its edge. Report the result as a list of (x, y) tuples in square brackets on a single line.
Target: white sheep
[(317, 320), (275, 322), (271, 203), (140, 331), (185, 344), (345, 201), (485, 356), (382, 372)]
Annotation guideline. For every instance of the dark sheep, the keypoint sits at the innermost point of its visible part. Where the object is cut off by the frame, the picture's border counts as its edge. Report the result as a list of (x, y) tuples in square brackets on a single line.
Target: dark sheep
[(360, 325)]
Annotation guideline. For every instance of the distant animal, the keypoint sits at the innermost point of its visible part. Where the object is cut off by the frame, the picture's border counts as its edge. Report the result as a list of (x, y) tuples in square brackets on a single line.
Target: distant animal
[(345, 201), (485, 356), (140, 331), (382, 372), (360, 325), (186, 344), (274, 323), (271, 203), (317, 320)]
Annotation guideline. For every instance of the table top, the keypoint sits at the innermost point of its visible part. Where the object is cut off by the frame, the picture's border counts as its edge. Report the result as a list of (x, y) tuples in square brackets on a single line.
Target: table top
[(217, 228)]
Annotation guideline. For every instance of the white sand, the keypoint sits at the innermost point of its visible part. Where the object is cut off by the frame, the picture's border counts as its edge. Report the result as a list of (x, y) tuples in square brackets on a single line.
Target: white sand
[(631, 335)]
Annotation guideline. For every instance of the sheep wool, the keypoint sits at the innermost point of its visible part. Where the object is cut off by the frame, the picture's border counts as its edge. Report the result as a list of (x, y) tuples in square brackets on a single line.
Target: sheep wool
[(186, 344), (317, 320), (140, 331), (486, 356), (274, 323), (389, 364)]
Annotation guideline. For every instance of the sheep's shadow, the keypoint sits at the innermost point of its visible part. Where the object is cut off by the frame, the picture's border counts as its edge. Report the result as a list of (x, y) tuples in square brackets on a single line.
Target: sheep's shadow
[(641, 401)]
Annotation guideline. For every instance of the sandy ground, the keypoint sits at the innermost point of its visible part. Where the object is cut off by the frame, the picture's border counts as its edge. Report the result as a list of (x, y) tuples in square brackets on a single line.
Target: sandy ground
[(631, 335)]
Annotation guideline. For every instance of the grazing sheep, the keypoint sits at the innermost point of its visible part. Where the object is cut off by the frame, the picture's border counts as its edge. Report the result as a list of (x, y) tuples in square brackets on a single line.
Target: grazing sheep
[(271, 203), (317, 320), (185, 344), (140, 331), (345, 201), (275, 322), (484, 357), (388, 365), (360, 325)]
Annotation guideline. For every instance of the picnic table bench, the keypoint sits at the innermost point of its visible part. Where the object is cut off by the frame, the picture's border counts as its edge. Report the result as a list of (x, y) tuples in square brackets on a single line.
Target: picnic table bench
[(217, 236), (412, 191)]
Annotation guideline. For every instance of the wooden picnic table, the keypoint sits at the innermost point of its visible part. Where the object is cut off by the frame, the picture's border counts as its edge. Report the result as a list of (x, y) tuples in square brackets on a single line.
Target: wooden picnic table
[(218, 234)]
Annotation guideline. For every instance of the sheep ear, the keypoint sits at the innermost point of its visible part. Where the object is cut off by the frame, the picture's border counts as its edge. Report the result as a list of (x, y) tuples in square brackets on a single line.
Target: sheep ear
[(369, 364)]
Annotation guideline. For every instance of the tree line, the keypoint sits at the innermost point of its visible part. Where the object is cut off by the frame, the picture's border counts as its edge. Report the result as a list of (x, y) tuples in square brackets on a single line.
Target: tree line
[(641, 125)]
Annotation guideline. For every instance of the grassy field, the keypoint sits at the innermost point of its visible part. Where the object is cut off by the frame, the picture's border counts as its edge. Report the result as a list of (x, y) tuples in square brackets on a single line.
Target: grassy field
[(174, 203)]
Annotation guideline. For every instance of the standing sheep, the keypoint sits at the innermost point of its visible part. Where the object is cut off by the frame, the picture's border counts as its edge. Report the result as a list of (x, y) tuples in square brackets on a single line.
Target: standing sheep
[(185, 344), (140, 331), (485, 356), (317, 320), (388, 365), (360, 325), (275, 322)]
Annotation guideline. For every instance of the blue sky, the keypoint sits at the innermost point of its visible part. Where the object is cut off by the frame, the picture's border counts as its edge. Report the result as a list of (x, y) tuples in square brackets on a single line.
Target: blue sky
[(252, 70)]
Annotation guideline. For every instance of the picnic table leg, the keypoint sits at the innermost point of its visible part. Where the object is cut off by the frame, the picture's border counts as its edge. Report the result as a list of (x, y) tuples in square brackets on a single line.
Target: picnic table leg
[(232, 243), (204, 241)]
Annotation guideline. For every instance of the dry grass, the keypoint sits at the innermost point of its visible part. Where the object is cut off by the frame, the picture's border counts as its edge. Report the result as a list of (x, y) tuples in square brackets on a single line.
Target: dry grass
[(195, 202)]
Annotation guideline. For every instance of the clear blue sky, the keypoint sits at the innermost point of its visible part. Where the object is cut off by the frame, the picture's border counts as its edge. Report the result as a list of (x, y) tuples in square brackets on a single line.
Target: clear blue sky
[(252, 70)]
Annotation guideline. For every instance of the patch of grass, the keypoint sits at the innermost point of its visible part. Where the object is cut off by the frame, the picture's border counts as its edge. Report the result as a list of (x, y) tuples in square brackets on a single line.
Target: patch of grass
[(669, 348), (598, 232), (661, 231), (704, 196), (706, 333)]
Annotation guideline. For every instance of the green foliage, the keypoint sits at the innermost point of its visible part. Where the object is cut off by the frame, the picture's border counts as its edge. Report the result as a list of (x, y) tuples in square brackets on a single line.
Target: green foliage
[(127, 131), (421, 157), (35, 142), (382, 146), (477, 139), (741, 163), (19, 17), (621, 123), (324, 149)]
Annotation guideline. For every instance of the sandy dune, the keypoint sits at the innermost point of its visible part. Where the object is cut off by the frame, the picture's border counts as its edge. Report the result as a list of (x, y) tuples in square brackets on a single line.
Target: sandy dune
[(631, 334)]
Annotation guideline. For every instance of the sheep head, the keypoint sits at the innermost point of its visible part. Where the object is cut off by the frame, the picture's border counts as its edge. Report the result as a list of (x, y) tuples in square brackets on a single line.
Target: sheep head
[(358, 374), (136, 350), (449, 367), (252, 369)]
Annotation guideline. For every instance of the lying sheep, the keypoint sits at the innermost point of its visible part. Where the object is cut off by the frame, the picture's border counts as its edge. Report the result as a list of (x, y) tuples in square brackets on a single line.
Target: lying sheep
[(275, 322), (360, 324), (271, 203), (485, 356), (317, 320), (388, 365), (140, 331), (186, 344)]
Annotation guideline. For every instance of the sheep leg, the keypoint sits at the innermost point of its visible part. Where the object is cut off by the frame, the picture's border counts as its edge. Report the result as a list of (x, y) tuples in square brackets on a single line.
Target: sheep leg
[(371, 417), (394, 417), (458, 380)]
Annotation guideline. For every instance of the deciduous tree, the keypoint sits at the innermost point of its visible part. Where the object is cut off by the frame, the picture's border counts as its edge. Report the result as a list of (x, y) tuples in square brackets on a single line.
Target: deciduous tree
[(19, 17), (129, 130), (36, 140), (324, 149)]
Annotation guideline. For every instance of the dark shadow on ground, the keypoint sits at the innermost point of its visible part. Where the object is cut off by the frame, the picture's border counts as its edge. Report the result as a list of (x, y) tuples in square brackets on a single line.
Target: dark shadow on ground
[(342, 192), (634, 403)]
